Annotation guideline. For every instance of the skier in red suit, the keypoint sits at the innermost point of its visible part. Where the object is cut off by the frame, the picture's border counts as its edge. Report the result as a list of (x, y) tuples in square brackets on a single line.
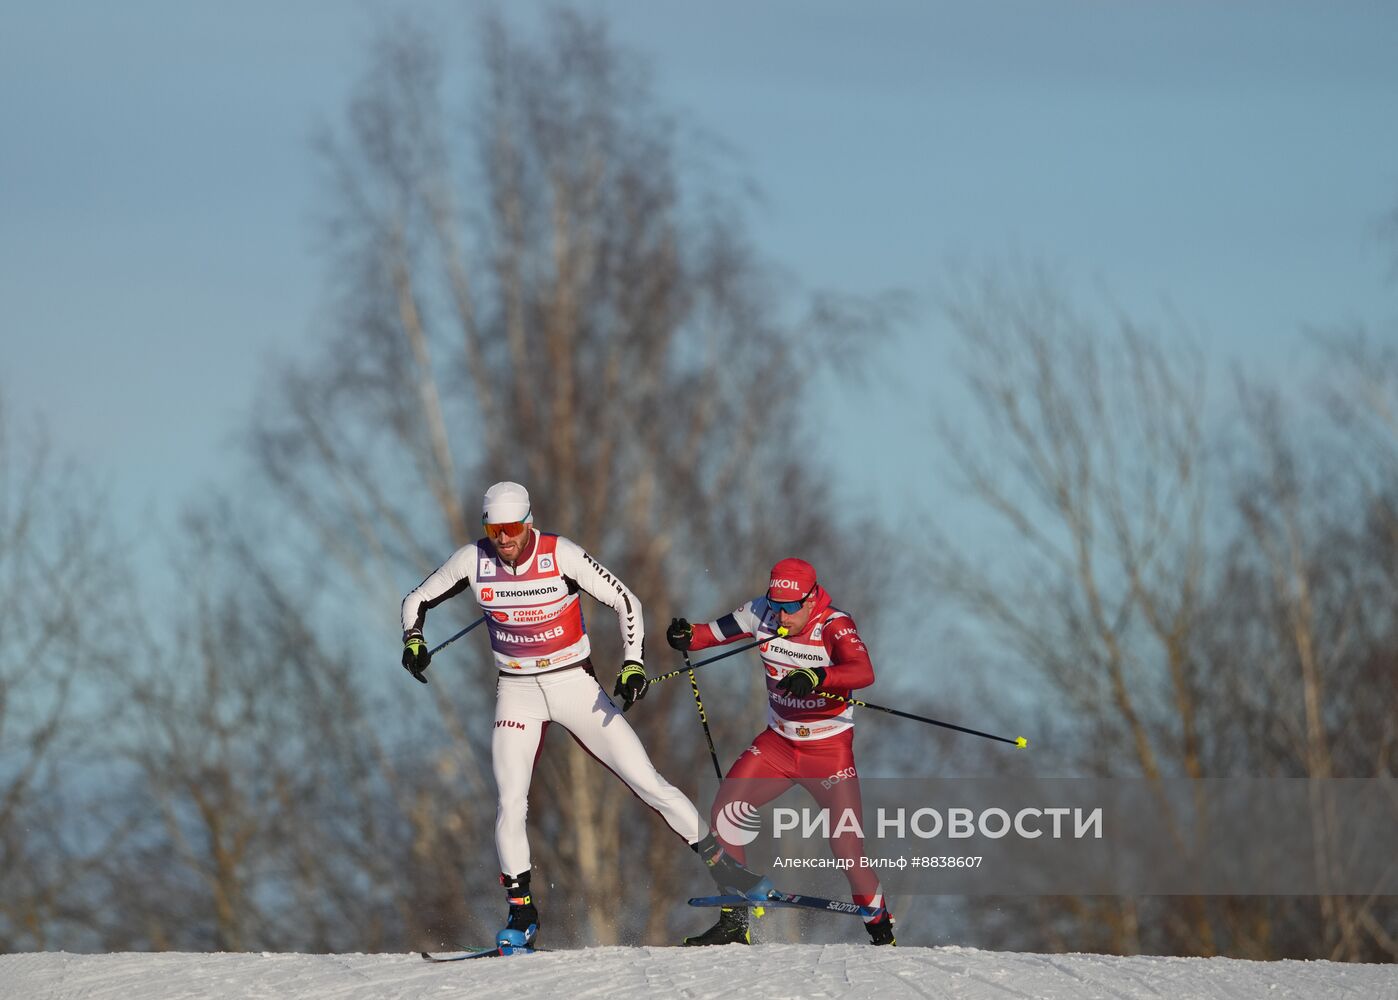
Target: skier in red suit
[(808, 740)]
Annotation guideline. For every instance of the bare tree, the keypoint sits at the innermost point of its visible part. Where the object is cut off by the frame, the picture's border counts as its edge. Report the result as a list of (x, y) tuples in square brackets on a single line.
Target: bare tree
[(1316, 566), (1361, 397), (63, 584), (266, 808), (1087, 449), (550, 293), (1191, 620)]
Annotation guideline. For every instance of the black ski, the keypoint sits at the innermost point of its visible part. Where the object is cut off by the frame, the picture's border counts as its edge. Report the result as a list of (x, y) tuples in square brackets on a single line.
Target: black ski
[(780, 899)]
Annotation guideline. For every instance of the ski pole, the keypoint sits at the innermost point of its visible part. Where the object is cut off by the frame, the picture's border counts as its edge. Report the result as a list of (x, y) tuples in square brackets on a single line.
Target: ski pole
[(1018, 741), (437, 649), (781, 632), (703, 716)]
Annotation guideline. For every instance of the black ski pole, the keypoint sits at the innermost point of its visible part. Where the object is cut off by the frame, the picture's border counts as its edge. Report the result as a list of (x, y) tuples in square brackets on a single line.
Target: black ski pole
[(1018, 741), (437, 649), (703, 716), (781, 633)]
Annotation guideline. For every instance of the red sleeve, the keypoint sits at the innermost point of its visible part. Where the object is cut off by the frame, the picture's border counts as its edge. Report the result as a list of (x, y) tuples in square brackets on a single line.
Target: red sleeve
[(850, 667), (718, 633)]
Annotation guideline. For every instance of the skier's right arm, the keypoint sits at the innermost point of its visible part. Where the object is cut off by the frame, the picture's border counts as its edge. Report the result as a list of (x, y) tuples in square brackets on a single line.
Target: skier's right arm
[(739, 624), (445, 582)]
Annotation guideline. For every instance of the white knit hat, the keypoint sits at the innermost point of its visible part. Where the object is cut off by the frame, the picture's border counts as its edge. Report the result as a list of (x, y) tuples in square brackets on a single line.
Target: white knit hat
[(506, 502)]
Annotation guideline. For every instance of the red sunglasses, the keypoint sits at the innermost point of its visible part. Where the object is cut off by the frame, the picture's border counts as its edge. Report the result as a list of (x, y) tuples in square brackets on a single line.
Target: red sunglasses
[(508, 529)]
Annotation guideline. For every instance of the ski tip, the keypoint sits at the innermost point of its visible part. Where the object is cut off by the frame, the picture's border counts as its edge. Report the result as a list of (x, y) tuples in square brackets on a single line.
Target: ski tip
[(1021, 742), (425, 955)]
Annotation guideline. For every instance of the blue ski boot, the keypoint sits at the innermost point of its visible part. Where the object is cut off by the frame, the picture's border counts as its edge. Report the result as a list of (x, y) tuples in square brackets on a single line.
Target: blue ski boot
[(523, 926), (729, 874)]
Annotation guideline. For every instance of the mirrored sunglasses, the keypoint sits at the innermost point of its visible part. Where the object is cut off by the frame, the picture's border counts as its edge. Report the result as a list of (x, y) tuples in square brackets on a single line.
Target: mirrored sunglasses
[(790, 607), (508, 529)]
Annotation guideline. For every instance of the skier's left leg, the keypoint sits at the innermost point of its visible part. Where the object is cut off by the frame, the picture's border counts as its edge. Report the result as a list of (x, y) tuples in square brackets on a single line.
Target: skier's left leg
[(577, 703), (601, 729), (837, 792)]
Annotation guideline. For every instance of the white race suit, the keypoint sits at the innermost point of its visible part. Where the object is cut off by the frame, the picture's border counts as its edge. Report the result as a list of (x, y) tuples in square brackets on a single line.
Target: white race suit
[(542, 653)]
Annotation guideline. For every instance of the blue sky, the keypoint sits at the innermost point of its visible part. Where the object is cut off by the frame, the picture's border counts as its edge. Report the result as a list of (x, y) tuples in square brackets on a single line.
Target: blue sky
[(157, 185)]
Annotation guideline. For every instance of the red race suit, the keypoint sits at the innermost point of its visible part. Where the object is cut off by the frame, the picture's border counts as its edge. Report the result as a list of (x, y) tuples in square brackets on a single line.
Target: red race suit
[(808, 741)]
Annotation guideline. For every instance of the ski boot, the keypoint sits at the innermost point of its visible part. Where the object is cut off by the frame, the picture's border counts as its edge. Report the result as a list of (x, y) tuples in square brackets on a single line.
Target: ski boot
[(732, 928), (881, 929), (523, 926), (729, 874)]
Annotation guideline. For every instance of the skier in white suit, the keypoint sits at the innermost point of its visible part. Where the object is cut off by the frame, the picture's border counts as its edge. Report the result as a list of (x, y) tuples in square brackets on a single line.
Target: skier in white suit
[(527, 582)]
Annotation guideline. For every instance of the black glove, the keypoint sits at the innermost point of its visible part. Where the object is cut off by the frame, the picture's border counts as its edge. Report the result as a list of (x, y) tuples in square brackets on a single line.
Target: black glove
[(680, 634), (416, 655), (631, 683), (802, 681)]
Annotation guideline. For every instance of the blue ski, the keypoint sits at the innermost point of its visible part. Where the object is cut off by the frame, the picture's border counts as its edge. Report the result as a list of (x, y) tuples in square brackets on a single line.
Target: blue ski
[(499, 952), (776, 898)]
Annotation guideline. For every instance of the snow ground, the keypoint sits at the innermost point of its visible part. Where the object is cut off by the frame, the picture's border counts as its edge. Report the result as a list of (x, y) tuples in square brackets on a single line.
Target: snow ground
[(763, 972)]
